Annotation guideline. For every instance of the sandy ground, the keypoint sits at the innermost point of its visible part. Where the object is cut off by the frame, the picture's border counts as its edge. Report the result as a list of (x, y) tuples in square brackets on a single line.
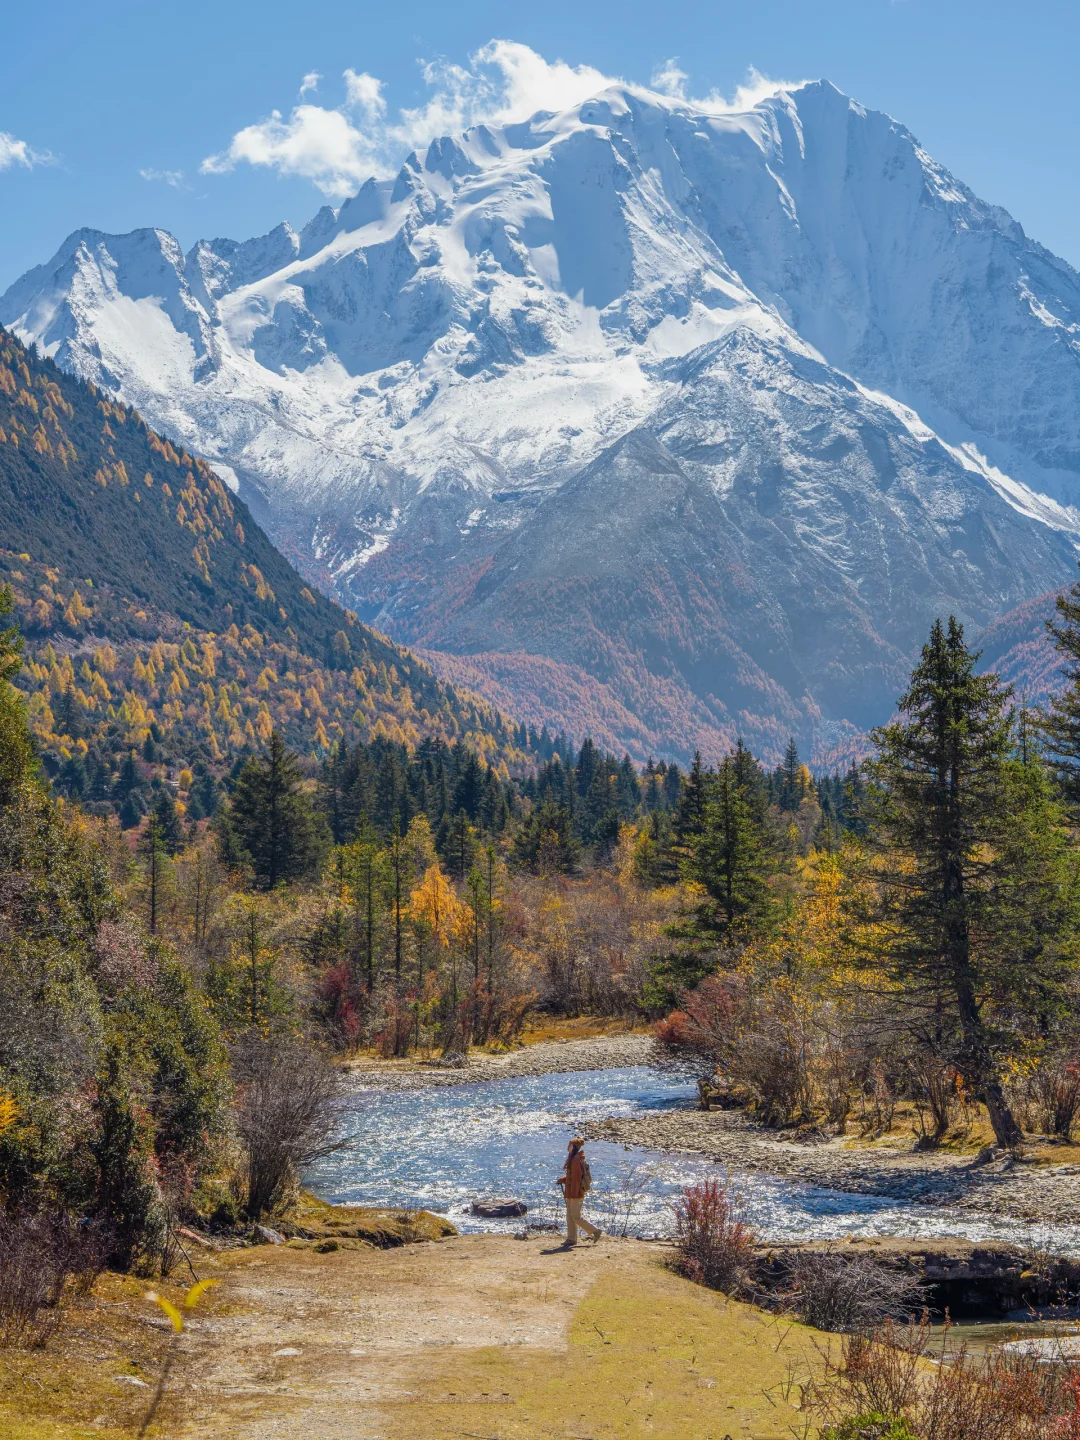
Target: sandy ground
[(480, 1336)]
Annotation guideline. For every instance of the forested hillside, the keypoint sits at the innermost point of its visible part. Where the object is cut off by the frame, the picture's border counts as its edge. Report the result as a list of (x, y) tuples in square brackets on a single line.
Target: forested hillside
[(159, 619)]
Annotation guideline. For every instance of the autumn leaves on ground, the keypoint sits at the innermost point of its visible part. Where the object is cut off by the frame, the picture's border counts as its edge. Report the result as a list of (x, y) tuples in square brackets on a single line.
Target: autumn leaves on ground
[(473, 1336)]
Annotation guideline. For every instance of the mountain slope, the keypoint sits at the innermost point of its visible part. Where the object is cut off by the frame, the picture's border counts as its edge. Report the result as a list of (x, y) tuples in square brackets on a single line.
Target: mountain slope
[(154, 604), (866, 378)]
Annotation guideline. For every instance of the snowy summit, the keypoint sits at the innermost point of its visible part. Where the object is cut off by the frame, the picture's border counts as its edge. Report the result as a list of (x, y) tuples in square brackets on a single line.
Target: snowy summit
[(659, 420)]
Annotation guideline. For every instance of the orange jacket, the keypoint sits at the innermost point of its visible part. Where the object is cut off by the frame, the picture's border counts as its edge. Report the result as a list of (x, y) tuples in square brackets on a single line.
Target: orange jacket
[(571, 1177)]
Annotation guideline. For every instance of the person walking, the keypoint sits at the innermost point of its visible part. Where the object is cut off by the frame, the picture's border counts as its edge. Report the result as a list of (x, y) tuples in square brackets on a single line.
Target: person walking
[(575, 1181)]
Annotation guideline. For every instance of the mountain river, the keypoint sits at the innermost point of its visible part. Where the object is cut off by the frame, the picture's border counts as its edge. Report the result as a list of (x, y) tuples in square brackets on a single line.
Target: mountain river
[(440, 1147)]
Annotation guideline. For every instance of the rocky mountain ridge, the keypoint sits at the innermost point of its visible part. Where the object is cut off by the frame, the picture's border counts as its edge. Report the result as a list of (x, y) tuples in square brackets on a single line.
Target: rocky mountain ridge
[(655, 419)]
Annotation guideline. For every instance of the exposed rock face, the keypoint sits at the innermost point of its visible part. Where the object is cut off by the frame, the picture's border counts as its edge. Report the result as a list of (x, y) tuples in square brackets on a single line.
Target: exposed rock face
[(655, 420)]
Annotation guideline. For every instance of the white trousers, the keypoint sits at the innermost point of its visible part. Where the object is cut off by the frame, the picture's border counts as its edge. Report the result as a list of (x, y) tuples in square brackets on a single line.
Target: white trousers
[(574, 1218)]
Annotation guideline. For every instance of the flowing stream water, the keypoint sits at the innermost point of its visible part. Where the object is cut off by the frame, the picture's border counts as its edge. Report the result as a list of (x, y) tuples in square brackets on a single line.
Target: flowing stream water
[(440, 1147)]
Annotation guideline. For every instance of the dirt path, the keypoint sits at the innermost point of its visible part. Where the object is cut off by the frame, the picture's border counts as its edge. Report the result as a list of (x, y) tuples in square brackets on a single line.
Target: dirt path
[(481, 1336)]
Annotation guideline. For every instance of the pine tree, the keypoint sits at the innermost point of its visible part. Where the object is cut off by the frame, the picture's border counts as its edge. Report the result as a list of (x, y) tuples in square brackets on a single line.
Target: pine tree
[(729, 857), (272, 821), (170, 830), (977, 897), (1060, 723)]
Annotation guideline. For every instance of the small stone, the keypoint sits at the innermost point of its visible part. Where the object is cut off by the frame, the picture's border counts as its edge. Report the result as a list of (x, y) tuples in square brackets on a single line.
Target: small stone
[(288, 1350), (131, 1380), (266, 1236)]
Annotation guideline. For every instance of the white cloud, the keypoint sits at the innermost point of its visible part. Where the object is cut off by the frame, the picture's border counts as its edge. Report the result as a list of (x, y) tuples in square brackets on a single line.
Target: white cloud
[(18, 152), (175, 178), (364, 93), (669, 79), (309, 83), (754, 89), (504, 81)]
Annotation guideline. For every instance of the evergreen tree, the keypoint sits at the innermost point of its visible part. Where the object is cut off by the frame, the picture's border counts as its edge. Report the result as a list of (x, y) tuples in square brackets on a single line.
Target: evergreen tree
[(728, 858), (469, 784), (789, 790), (273, 821), (977, 925), (546, 842), (16, 745), (170, 830), (456, 844), (598, 817), (629, 789), (69, 714), (154, 851), (366, 872), (1060, 723)]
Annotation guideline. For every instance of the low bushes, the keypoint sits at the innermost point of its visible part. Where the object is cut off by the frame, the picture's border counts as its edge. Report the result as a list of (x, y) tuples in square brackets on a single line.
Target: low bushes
[(851, 1292), (882, 1387), (714, 1242), (43, 1258)]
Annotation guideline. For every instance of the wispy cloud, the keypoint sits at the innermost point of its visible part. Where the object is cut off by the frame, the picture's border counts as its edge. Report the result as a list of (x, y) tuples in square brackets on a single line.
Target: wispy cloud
[(338, 147), (175, 178), (669, 79), (18, 152), (309, 84)]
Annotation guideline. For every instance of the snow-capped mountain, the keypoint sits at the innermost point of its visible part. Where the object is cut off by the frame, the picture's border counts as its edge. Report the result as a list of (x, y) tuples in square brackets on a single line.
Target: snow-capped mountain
[(666, 422)]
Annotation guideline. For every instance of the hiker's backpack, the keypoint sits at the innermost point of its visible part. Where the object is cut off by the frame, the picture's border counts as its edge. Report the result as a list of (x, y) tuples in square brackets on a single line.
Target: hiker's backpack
[(586, 1176)]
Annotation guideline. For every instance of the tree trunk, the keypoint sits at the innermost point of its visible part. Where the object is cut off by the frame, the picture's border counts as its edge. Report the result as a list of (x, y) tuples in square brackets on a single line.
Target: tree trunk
[(981, 1070)]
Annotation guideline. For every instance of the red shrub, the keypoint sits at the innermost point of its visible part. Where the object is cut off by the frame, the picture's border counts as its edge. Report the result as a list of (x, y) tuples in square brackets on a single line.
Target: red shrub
[(713, 1239)]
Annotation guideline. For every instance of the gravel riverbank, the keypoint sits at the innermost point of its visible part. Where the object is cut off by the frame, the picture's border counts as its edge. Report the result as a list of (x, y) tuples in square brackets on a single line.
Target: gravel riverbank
[(1032, 1193), (552, 1057)]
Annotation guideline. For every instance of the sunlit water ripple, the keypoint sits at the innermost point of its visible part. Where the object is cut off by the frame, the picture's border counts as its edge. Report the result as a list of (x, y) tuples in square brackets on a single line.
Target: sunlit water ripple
[(441, 1147)]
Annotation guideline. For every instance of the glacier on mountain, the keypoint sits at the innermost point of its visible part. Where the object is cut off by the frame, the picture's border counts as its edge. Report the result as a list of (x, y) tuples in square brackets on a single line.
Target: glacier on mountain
[(865, 378)]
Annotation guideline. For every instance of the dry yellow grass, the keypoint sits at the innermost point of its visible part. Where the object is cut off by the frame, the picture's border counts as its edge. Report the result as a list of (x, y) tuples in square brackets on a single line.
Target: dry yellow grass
[(649, 1355), (543, 1028), (80, 1385)]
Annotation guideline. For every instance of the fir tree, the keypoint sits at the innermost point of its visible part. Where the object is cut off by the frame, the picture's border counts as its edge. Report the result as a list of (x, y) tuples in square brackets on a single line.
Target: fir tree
[(788, 778), (273, 822), (170, 830), (977, 909), (1060, 722), (729, 857)]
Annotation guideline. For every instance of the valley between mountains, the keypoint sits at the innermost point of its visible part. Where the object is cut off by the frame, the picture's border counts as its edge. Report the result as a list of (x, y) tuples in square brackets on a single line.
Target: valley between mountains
[(658, 422)]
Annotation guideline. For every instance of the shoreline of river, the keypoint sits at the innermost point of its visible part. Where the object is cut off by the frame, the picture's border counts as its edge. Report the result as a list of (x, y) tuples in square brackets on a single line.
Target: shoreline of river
[(1042, 1194), (1034, 1194), (548, 1057)]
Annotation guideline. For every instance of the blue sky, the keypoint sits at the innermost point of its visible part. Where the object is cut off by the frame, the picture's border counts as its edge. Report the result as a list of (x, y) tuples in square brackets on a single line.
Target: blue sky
[(152, 114)]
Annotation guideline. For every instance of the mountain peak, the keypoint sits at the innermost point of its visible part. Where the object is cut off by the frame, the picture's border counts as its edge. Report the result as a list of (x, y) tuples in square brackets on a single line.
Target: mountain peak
[(785, 327)]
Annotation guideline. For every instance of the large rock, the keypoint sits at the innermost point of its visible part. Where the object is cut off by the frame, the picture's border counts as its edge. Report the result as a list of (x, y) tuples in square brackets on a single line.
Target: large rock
[(498, 1208)]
